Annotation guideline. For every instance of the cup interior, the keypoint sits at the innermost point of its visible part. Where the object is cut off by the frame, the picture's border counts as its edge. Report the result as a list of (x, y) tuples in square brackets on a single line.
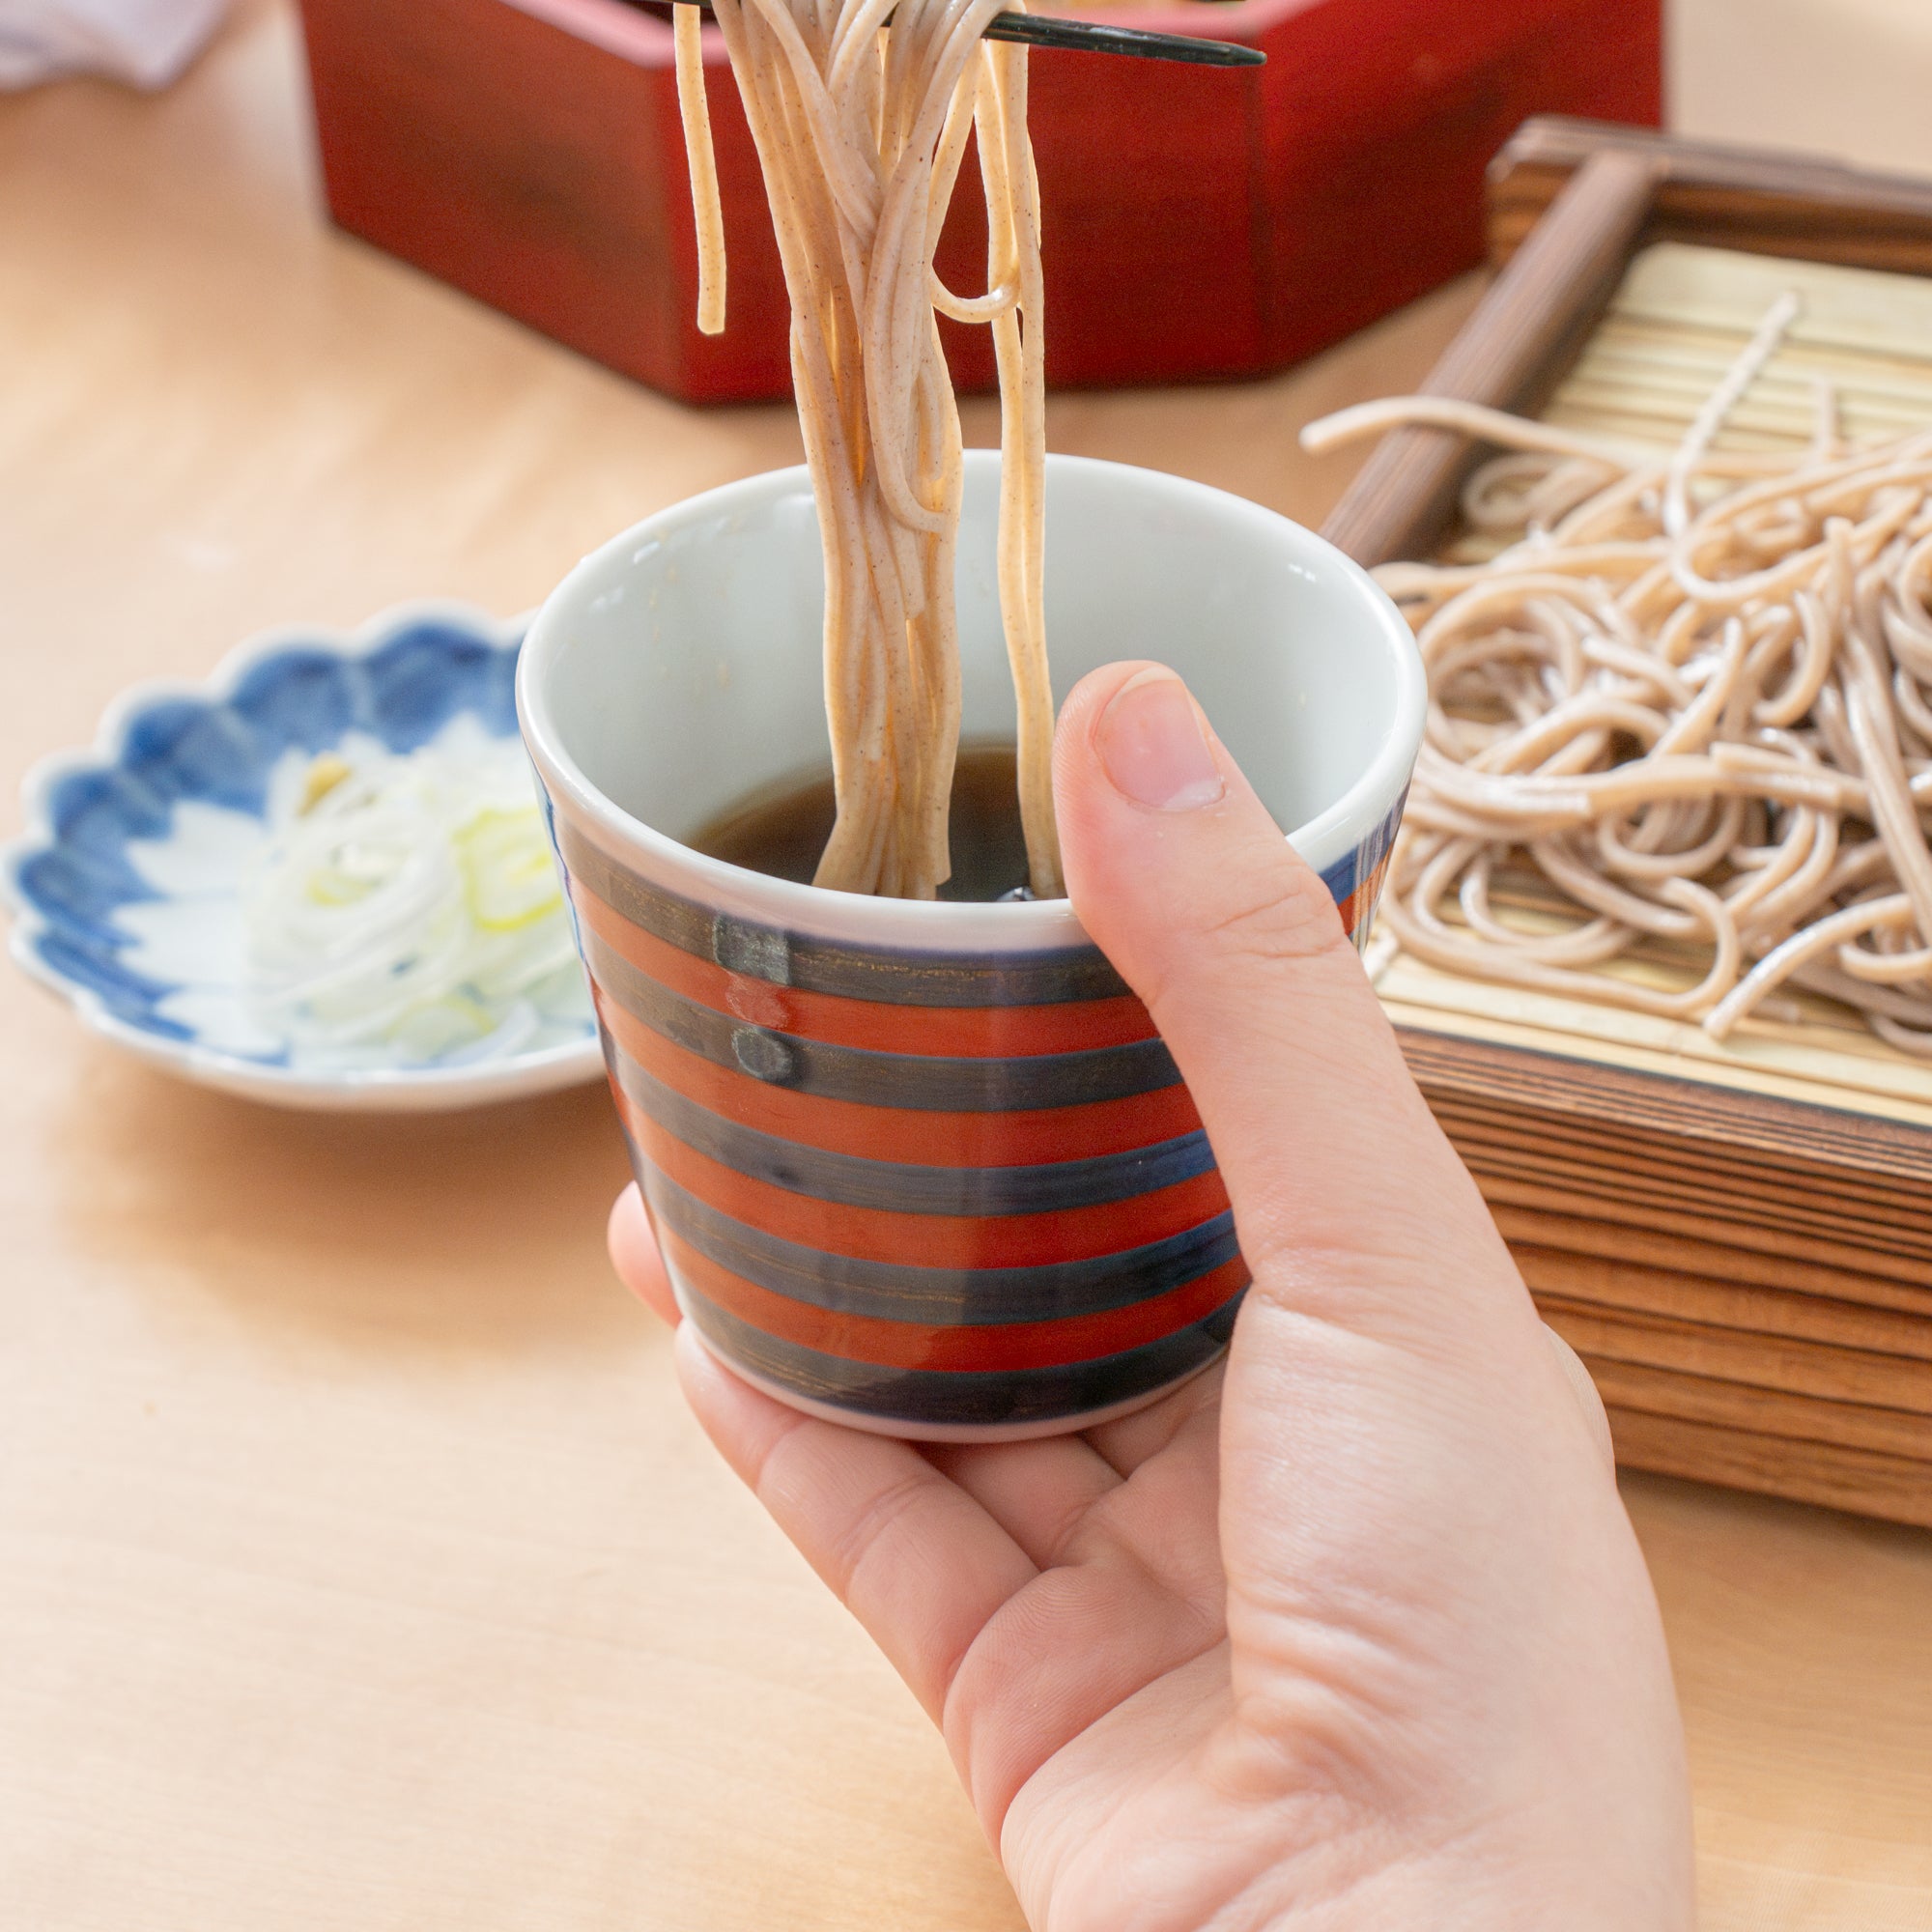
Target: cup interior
[(678, 669)]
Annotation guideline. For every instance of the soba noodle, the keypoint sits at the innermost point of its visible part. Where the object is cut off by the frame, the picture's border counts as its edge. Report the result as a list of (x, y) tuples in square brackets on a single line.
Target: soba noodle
[(861, 129), (1691, 703)]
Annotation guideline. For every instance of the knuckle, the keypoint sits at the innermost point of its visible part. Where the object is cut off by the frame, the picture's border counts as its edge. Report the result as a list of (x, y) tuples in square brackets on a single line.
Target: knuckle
[(1270, 918), (1286, 917), (868, 1531)]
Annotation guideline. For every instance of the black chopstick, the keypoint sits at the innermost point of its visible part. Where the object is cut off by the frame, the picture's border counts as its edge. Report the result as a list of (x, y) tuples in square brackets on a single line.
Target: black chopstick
[(1093, 37)]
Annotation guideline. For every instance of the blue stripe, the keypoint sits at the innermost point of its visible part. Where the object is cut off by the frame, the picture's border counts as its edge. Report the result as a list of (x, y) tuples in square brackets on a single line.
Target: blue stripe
[(886, 974), (929, 1082), (965, 1396), (936, 1298), (854, 1180), (890, 976), (1350, 872)]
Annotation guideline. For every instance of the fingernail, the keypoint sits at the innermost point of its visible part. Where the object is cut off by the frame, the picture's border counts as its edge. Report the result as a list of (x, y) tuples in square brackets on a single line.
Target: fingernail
[(1152, 744)]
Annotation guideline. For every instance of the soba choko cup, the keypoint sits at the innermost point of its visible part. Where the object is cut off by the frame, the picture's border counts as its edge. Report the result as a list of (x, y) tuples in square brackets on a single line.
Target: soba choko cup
[(928, 1168)]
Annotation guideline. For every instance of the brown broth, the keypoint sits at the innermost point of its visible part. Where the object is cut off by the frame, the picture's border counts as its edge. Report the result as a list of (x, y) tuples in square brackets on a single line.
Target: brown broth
[(781, 828)]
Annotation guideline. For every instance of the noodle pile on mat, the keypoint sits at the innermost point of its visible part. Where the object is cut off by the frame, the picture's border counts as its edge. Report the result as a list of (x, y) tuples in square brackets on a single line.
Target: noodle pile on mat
[(861, 129), (1691, 701)]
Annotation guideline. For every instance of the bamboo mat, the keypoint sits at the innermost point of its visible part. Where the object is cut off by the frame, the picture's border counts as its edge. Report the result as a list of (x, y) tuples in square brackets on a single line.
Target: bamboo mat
[(1682, 314), (1735, 1236)]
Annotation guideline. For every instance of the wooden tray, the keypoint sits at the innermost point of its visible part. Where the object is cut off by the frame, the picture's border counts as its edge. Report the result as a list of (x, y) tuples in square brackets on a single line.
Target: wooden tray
[(1737, 1237)]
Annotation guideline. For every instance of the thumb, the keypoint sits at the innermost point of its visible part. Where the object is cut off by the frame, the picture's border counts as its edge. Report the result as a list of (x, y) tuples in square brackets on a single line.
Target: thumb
[(1350, 1203)]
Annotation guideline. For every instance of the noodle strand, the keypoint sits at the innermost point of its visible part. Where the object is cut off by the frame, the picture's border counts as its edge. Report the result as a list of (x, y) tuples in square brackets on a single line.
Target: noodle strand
[(860, 114)]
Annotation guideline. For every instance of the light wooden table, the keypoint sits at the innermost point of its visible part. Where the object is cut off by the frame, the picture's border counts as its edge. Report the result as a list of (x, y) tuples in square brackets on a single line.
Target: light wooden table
[(358, 1567)]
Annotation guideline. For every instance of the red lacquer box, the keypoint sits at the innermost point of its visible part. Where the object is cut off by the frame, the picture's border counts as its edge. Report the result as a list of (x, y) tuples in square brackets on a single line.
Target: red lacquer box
[(1198, 222)]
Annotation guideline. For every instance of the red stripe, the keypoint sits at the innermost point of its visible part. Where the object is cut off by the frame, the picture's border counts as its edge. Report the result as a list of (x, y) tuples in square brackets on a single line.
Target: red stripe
[(930, 1240), (1356, 906), (905, 1133), (908, 1345), (977, 1033)]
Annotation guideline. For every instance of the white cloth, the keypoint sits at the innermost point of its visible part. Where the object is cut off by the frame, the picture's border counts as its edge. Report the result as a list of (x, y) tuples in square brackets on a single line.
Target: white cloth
[(145, 43)]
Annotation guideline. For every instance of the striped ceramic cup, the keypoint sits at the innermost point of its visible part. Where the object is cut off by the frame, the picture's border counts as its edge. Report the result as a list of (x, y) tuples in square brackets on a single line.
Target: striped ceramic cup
[(928, 1168)]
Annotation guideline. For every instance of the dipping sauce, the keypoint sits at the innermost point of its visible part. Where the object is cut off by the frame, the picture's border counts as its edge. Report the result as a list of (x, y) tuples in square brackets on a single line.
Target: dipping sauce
[(781, 828)]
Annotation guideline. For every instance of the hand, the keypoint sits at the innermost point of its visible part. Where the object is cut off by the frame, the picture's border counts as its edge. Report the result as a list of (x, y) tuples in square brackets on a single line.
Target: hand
[(1354, 1634)]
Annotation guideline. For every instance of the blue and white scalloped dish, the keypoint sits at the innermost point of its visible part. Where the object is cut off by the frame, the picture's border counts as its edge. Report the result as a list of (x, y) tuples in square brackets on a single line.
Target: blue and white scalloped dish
[(138, 888)]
